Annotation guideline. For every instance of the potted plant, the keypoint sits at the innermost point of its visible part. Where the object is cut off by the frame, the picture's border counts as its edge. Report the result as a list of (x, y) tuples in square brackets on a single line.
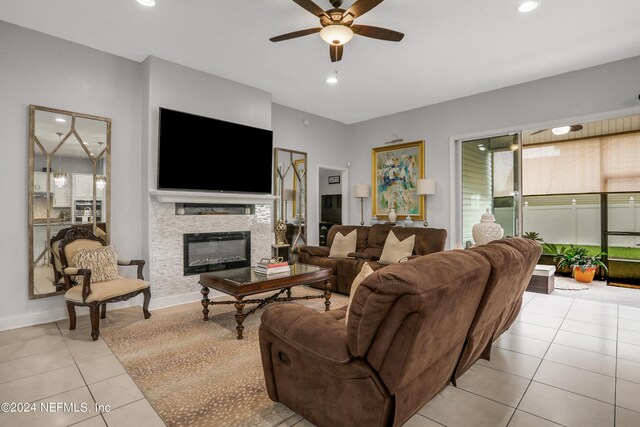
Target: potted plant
[(533, 235), (559, 256), (584, 265)]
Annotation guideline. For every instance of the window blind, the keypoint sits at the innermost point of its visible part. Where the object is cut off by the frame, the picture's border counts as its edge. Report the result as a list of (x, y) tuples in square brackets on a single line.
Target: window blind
[(595, 165)]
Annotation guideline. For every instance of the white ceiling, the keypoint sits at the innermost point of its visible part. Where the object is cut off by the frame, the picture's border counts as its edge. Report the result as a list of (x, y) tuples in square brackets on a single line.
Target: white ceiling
[(452, 48)]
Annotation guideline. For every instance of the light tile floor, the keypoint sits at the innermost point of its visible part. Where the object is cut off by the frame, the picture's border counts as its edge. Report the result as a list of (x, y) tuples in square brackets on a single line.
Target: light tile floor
[(565, 361)]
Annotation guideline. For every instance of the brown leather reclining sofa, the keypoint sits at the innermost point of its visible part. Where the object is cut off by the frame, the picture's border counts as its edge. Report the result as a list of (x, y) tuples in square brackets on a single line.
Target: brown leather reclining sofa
[(413, 328), (369, 245)]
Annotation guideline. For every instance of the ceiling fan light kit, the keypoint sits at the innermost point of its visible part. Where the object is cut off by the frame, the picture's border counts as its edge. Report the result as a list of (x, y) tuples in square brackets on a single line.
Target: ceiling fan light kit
[(528, 6), (148, 3), (336, 34), (338, 26), (561, 130)]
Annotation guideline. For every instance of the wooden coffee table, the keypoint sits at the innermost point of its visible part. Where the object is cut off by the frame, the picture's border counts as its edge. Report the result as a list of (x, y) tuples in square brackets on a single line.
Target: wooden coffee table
[(243, 282)]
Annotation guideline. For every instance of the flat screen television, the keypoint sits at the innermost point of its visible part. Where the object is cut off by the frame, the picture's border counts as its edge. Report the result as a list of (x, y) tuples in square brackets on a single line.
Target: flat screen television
[(197, 153)]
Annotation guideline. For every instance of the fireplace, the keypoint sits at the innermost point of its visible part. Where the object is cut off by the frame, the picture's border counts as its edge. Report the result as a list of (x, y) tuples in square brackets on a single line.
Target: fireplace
[(205, 252)]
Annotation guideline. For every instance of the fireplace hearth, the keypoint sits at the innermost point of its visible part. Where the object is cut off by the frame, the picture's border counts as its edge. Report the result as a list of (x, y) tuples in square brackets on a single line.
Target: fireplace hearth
[(205, 252)]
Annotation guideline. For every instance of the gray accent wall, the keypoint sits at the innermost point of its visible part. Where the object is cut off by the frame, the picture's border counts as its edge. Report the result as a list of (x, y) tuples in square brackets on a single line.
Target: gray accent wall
[(326, 143), (588, 93), (39, 69), (180, 88)]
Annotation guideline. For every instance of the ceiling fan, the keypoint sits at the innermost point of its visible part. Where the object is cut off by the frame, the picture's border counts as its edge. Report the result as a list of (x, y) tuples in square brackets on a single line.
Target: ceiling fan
[(338, 26), (561, 130)]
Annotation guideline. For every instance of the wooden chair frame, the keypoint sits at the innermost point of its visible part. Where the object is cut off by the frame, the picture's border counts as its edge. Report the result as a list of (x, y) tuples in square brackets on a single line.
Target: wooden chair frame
[(95, 311)]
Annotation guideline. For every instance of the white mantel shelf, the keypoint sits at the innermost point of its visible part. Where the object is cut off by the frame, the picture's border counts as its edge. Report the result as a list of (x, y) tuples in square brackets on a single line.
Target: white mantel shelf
[(164, 196)]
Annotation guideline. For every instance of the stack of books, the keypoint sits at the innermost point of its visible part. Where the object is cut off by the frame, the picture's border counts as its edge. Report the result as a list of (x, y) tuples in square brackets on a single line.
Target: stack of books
[(269, 266)]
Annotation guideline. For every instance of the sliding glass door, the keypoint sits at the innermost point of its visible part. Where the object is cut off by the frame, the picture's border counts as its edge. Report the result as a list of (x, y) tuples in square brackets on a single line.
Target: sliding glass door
[(491, 180)]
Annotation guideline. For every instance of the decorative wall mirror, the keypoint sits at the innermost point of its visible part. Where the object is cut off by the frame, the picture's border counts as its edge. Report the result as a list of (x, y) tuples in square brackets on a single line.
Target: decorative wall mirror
[(290, 185), (69, 186)]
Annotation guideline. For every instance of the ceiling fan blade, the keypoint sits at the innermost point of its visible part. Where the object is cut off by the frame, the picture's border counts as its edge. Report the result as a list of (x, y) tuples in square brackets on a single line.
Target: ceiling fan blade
[(335, 52), (295, 34), (575, 128), (361, 7), (377, 33), (311, 7), (538, 131)]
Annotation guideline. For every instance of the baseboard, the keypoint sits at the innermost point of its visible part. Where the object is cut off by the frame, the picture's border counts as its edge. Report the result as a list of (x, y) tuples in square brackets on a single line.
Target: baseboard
[(30, 319)]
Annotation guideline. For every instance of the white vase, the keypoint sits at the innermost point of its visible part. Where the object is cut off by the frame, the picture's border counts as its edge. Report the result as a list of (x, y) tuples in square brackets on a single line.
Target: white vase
[(392, 215), (487, 230), (408, 222)]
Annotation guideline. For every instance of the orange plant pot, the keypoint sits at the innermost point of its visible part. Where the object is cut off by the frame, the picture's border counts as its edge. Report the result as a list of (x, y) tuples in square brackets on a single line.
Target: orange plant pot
[(586, 276)]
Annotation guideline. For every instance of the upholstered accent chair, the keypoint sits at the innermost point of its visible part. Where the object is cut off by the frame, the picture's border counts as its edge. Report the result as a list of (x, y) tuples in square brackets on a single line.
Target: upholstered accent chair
[(89, 293), (54, 248)]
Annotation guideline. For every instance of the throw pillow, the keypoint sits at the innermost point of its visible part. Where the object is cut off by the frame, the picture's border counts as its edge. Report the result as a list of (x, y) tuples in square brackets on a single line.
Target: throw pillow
[(102, 261), (343, 245), (365, 271), (395, 251)]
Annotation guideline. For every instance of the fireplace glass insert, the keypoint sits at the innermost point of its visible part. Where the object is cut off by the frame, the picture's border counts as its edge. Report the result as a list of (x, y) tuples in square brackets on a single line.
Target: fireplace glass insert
[(205, 252)]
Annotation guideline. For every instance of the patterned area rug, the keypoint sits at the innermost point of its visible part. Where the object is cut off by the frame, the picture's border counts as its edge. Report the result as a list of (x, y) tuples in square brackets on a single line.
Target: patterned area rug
[(197, 373)]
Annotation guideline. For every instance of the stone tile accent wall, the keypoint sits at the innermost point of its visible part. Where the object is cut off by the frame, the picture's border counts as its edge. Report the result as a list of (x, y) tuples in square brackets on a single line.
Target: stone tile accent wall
[(167, 228)]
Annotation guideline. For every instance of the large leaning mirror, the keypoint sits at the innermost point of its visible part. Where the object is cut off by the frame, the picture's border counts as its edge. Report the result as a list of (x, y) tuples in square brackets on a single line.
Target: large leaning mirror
[(290, 186), (69, 186)]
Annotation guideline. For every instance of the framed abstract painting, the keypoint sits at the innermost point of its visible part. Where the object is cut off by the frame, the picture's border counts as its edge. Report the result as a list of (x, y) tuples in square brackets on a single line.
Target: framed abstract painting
[(395, 171)]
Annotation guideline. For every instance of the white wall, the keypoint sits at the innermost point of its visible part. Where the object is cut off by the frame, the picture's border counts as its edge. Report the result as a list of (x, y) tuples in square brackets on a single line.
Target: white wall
[(326, 144), (605, 88), (324, 186), (43, 70)]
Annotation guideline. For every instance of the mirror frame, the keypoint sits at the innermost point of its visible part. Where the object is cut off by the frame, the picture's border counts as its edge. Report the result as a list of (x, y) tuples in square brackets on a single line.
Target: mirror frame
[(106, 214), (278, 188)]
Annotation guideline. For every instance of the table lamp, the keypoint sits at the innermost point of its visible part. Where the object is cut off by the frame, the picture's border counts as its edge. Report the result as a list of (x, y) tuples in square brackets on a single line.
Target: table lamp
[(426, 187), (362, 192)]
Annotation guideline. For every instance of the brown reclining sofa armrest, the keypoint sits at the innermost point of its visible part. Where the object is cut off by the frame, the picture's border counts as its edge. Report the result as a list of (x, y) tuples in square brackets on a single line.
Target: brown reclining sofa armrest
[(317, 335)]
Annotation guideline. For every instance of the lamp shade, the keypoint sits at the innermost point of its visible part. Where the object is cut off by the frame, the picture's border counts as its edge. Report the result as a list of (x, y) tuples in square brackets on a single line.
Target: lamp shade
[(361, 190), (426, 187), (336, 34)]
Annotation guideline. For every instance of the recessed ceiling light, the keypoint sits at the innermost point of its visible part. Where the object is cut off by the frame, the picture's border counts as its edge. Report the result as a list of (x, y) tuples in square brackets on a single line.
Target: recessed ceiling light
[(147, 3), (526, 6), (332, 78), (561, 130), (60, 120)]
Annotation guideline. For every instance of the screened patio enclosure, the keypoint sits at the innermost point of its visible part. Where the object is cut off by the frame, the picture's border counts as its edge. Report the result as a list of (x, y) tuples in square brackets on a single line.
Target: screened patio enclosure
[(580, 188)]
